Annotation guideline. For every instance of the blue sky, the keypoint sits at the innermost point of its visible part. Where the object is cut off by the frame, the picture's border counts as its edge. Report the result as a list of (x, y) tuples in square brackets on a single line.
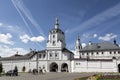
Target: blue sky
[(25, 24)]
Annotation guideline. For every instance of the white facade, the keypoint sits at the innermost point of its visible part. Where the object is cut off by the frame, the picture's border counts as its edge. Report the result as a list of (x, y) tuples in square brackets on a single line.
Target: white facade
[(95, 57)]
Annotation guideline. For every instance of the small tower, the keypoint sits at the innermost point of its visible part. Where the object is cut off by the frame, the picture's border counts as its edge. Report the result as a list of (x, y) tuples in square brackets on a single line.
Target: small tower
[(78, 47), (78, 44)]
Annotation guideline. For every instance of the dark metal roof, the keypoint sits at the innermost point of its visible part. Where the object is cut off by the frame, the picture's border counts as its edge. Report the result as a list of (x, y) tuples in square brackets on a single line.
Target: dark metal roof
[(28, 55), (56, 31), (101, 46), (42, 51), (66, 51), (19, 57)]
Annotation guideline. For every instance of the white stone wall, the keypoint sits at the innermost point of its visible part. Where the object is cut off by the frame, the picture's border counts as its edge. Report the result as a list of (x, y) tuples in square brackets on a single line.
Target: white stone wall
[(93, 66), (10, 65)]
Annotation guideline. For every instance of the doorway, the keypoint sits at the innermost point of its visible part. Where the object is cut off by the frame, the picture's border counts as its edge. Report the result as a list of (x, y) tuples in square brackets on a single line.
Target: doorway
[(64, 67), (53, 67)]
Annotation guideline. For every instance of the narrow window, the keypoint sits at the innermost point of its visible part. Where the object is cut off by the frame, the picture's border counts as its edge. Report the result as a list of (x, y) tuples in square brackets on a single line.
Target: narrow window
[(110, 52), (50, 55), (43, 55), (118, 52), (97, 52), (39, 55), (53, 36), (76, 63), (55, 54), (87, 53), (102, 52), (53, 42), (82, 53), (92, 53), (114, 52)]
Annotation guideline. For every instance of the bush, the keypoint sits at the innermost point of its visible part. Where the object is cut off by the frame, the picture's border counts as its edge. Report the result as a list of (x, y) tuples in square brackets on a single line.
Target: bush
[(16, 71), (1, 68)]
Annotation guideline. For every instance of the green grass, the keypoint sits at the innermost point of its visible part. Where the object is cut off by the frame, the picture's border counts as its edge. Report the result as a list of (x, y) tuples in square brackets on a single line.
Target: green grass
[(84, 78), (108, 79)]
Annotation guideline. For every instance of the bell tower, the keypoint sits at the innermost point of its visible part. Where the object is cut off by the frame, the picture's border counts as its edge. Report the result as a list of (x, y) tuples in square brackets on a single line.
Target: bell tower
[(56, 38)]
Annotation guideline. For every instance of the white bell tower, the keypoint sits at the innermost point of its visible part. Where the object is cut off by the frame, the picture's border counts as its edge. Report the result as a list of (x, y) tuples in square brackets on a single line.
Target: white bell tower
[(56, 38)]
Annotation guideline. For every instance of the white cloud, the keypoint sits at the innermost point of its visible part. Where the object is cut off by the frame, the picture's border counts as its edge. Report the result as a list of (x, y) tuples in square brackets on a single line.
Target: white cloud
[(84, 44), (1, 24), (6, 51), (107, 37), (5, 38), (37, 39), (25, 38), (95, 35)]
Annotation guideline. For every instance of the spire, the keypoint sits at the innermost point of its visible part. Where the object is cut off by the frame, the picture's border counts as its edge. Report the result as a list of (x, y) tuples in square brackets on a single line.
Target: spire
[(114, 41), (78, 44), (57, 24), (78, 38)]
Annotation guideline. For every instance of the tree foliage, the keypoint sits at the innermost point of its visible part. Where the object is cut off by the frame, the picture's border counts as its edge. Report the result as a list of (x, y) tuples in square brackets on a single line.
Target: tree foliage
[(1, 68)]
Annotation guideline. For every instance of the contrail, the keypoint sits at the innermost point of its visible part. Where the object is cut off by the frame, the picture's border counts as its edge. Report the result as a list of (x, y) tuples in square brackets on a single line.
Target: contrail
[(16, 5), (97, 19), (22, 17), (19, 4)]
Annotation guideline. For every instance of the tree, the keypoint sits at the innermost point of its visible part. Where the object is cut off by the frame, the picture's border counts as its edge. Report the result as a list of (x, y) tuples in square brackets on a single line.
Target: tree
[(23, 69), (16, 71), (1, 68)]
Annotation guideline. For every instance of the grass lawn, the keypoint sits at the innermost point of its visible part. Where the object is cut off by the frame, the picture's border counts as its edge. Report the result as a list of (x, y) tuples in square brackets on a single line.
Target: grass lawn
[(84, 78), (108, 79)]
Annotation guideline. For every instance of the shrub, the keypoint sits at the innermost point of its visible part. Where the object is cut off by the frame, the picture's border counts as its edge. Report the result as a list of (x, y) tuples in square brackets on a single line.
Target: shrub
[(1, 68)]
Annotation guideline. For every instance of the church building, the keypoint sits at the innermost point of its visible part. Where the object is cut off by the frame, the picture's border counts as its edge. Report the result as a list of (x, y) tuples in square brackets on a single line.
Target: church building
[(95, 57)]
